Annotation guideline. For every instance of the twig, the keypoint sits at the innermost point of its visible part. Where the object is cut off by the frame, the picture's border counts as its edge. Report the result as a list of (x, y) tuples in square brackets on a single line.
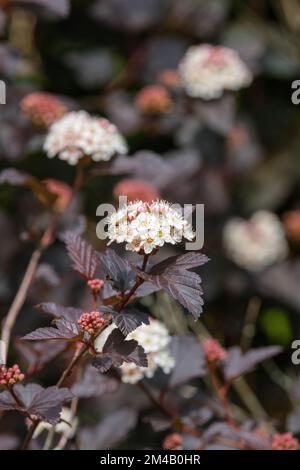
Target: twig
[(222, 391), (240, 385), (138, 283), (248, 331), (18, 302), (155, 401)]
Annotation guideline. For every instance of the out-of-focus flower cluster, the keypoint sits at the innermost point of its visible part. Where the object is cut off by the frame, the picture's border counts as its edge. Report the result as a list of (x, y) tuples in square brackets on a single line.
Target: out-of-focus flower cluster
[(207, 71), (43, 109), (11, 375), (135, 189), (154, 99), (291, 221), (77, 134), (285, 441), (62, 191), (257, 243), (155, 340), (148, 226), (173, 441)]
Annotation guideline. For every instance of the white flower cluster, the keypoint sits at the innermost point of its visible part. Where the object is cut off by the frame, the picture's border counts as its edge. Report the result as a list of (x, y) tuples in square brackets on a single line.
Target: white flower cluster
[(257, 243), (147, 226), (67, 425), (206, 71), (155, 339), (78, 134)]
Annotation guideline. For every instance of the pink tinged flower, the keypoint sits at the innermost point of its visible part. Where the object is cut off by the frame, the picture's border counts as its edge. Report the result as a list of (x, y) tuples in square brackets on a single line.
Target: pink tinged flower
[(42, 109), (91, 322), (10, 376), (285, 441), (214, 352), (135, 189), (77, 135), (154, 99), (207, 71)]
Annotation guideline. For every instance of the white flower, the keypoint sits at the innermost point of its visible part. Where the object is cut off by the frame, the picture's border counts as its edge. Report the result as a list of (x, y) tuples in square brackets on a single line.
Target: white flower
[(155, 340), (77, 134), (67, 425), (206, 71), (257, 243), (148, 226)]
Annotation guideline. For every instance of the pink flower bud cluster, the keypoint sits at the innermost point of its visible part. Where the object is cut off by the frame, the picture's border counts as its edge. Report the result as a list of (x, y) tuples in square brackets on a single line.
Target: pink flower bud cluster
[(10, 376), (154, 99), (91, 322), (214, 352), (173, 442), (42, 108), (285, 441), (135, 189), (95, 285)]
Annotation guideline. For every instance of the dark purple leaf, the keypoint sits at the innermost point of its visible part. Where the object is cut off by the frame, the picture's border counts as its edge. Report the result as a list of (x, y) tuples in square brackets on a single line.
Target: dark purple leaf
[(173, 276), (237, 363), (58, 8), (44, 403), (94, 384), (112, 429), (46, 274), (131, 15), (189, 360), (117, 350), (128, 320), (59, 311), (117, 270), (65, 330), (8, 442), (14, 177), (158, 421), (103, 363), (249, 439), (82, 254), (38, 354), (143, 165), (217, 115), (293, 421), (19, 178), (147, 288)]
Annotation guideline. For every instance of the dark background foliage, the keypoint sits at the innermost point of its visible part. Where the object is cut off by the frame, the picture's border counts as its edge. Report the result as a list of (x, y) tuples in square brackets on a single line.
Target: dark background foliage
[(234, 158)]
